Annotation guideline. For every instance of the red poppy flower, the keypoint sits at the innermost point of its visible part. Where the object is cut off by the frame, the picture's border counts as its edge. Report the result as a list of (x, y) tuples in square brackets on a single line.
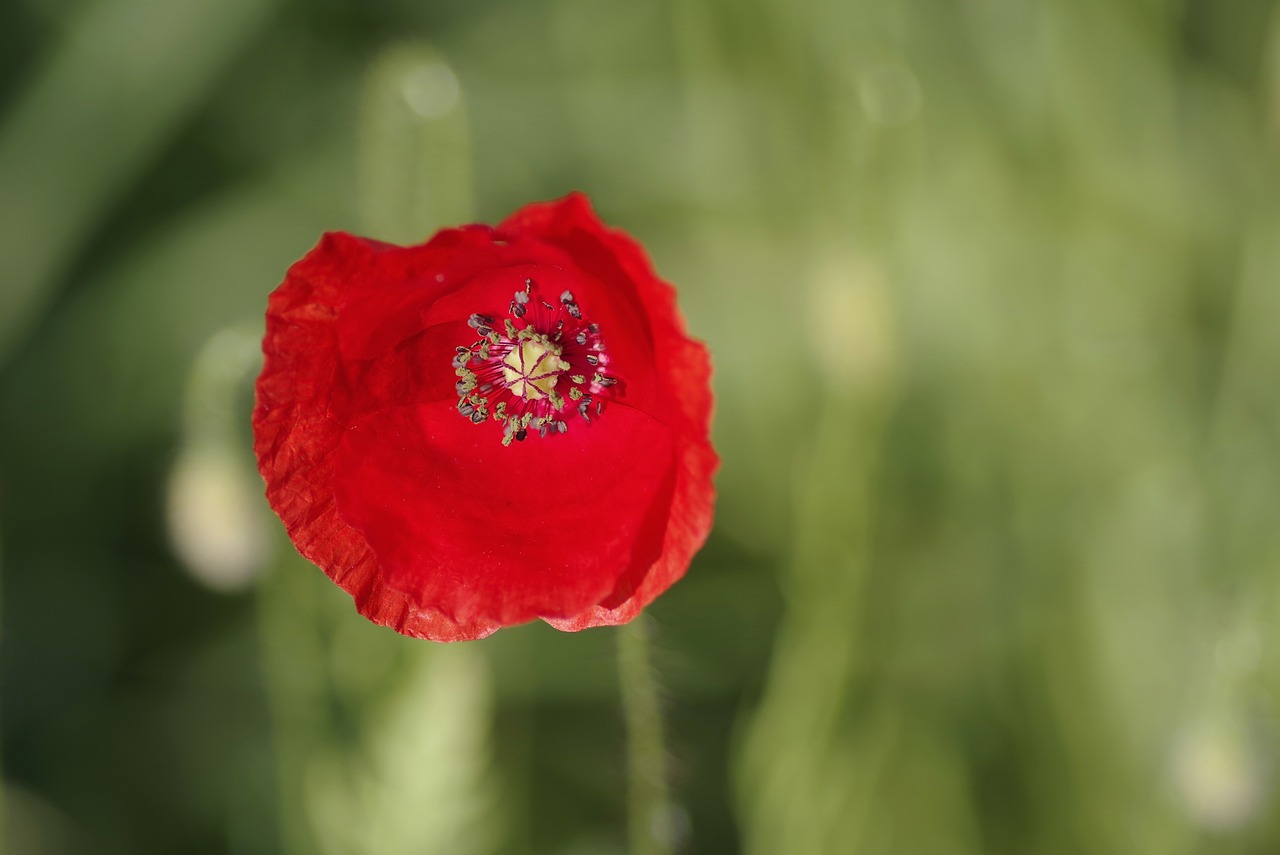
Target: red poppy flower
[(498, 425)]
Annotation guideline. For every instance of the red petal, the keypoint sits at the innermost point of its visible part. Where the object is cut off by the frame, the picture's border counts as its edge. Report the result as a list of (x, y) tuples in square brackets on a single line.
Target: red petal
[(296, 433), (483, 532), (383, 299), (687, 529)]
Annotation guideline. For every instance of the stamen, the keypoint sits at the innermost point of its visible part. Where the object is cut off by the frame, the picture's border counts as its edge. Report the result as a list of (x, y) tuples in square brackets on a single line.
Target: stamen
[(518, 371)]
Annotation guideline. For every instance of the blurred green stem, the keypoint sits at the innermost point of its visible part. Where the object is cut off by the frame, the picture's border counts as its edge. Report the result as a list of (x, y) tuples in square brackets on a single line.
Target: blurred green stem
[(648, 799)]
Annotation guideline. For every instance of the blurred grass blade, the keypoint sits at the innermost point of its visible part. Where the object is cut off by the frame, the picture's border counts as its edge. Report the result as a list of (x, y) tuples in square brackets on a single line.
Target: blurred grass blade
[(415, 147), (382, 742), (420, 782), (126, 75), (796, 747), (94, 117)]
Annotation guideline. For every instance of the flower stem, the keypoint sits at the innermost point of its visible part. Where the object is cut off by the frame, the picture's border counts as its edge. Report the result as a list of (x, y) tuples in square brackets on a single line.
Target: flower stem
[(649, 812)]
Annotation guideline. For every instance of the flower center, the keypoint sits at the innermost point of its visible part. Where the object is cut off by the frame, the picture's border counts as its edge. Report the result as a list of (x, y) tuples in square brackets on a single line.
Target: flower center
[(544, 367), (531, 369)]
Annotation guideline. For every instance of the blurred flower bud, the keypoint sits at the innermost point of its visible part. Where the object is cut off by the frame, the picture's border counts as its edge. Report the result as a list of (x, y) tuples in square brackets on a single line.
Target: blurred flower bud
[(216, 513), (1221, 772), (216, 517), (852, 331)]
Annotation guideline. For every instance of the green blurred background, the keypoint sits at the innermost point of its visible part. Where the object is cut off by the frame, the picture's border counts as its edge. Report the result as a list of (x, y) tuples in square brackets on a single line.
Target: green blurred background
[(993, 289)]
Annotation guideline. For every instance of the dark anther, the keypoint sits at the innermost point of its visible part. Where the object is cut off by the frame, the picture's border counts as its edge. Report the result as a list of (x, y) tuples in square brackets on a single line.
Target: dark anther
[(462, 387), (517, 307), (592, 359), (582, 338), (466, 409), (521, 434), (561, 427), (477, 417), (593, 328)]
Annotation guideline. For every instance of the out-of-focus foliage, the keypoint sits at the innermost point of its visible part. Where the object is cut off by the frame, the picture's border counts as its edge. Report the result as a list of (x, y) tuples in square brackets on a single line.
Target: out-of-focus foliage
[(992, 289)]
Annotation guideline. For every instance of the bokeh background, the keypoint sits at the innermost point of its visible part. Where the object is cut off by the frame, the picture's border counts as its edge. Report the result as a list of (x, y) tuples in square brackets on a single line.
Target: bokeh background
[(993, 289)]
